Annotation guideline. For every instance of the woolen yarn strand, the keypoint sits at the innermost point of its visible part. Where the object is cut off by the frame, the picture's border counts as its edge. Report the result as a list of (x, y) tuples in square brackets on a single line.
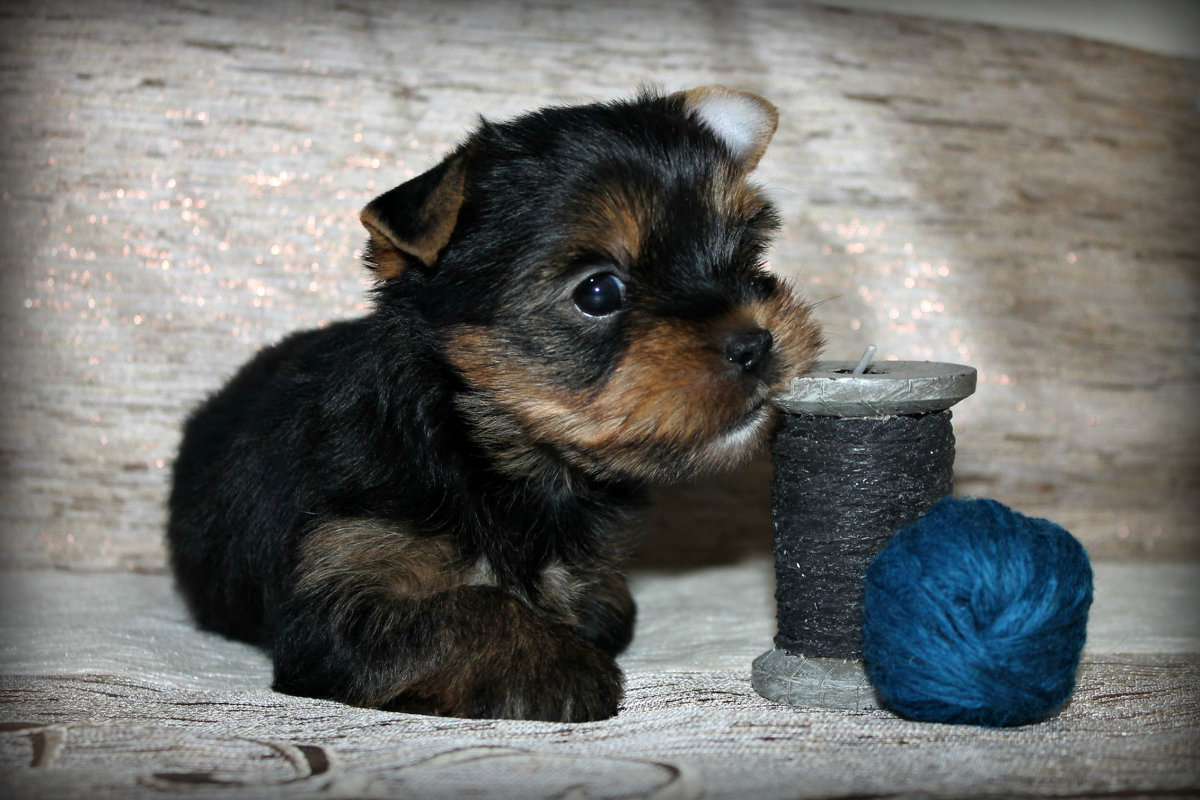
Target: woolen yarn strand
[(976, 614)]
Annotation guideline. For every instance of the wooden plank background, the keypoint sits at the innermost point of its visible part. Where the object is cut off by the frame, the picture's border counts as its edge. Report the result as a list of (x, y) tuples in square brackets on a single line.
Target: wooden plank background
[(181, 180)]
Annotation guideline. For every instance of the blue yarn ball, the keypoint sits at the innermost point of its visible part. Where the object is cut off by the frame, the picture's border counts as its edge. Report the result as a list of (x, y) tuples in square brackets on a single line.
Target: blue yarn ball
[(976, 614)]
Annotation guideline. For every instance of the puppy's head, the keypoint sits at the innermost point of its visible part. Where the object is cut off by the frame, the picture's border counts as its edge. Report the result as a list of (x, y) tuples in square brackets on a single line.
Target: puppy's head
[(595, 274)]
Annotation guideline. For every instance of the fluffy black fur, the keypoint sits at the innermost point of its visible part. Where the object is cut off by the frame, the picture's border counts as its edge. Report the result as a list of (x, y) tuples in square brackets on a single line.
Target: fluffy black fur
[(373, 503)]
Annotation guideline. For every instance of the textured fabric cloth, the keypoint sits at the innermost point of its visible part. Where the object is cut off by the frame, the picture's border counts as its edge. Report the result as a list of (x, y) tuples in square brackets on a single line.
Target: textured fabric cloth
[(108, 690), (181, 184)]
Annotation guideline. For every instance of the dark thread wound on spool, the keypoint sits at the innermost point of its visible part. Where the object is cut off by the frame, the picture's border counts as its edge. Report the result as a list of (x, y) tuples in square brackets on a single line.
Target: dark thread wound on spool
[(842, 486)]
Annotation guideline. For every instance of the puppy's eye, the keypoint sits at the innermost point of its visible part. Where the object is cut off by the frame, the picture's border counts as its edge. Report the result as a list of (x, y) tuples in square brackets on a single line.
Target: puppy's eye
[(599, 295)]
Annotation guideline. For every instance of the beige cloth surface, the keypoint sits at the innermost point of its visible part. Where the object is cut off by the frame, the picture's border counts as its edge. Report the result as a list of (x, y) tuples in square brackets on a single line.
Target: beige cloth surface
[(109, 691), (179, 185)]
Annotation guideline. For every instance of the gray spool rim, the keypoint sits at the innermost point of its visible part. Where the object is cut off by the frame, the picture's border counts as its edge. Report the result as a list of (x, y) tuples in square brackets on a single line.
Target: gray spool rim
[(887, 388)]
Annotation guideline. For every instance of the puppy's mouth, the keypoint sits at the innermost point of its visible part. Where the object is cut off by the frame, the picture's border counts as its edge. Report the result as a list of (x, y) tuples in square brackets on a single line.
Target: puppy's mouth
[(746, 427)]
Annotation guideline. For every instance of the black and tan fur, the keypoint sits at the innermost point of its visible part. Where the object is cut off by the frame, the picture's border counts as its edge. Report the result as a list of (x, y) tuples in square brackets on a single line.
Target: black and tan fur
[(425, 509)]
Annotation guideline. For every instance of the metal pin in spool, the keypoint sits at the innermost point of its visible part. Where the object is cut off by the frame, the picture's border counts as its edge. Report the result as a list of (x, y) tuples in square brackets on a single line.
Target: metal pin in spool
[(817, 658)]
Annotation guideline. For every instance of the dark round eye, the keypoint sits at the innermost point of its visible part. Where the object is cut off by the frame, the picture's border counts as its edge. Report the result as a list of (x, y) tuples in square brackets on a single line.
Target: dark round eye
[(599, 295)]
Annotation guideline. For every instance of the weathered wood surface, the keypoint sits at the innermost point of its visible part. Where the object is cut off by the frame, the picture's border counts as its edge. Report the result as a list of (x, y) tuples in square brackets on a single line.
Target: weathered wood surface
[(181, 183)]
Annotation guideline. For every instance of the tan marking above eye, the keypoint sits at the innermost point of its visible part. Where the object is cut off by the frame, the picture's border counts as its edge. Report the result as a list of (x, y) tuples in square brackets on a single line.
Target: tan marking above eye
[(608, 221)]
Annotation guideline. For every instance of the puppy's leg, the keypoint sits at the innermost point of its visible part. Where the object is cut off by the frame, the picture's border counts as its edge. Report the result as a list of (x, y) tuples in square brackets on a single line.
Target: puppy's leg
[(380, 618), (499, 658), (605, 612)]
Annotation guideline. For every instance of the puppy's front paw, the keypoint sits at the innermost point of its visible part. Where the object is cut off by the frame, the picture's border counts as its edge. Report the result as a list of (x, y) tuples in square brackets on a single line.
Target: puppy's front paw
[(575, 682), (476, 651), (554, 676)]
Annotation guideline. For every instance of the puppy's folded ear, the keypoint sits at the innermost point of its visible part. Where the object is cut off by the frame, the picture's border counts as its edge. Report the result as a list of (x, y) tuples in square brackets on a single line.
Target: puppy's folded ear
[(745, 122), (411, 223)]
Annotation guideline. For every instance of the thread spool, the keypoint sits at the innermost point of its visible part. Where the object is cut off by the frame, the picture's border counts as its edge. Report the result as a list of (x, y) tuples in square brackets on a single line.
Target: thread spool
[(861, 451)]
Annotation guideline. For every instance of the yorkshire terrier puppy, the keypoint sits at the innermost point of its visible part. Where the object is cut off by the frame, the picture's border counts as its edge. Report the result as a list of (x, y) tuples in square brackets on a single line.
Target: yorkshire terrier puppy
[(425, 509)]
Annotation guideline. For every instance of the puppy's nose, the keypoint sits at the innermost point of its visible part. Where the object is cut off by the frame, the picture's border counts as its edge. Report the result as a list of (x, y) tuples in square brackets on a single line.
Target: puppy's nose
[(749, 348)]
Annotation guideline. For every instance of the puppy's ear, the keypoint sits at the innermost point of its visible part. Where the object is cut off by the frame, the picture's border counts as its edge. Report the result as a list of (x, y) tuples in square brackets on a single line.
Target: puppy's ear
[(411, 223), (745, 122)]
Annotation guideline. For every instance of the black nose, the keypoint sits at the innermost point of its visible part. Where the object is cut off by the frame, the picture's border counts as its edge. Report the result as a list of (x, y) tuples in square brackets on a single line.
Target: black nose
[(749, 348)]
